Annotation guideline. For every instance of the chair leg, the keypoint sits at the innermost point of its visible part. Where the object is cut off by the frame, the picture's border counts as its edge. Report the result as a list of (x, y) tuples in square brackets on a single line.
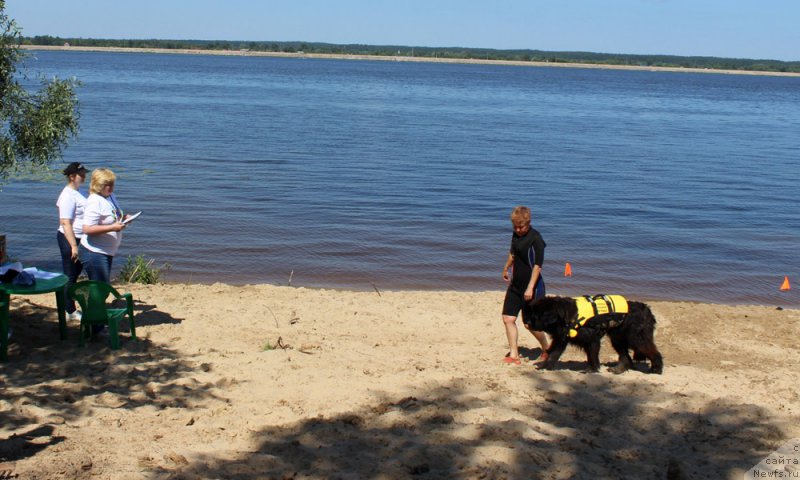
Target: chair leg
[(129, 308), (82, 334), (113, 333), (130, 320)]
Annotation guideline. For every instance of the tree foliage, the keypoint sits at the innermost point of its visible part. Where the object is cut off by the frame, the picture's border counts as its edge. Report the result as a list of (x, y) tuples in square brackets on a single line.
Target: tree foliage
[(35, 125)]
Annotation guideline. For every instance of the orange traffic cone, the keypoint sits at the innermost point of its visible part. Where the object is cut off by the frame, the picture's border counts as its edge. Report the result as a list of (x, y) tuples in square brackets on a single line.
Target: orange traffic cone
[(568, 270), (785, 285)]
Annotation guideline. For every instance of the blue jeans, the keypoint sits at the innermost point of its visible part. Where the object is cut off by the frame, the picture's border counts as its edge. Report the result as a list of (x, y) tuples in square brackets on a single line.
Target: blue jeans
[(72, 269), (97, 265)]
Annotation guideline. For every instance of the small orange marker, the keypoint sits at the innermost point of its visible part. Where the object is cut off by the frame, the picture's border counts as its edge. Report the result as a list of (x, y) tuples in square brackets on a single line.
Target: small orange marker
[(785, 285), (568, 270)]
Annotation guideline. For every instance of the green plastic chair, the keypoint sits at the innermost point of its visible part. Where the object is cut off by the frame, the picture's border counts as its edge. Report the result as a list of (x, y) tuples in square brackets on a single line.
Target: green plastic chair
[(92, 295)]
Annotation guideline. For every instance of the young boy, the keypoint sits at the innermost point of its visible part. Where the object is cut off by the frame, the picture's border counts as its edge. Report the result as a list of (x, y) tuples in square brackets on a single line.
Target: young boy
[(526, 283)]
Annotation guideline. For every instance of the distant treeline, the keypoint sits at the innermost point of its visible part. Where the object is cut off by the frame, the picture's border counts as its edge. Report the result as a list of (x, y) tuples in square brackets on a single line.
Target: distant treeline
[(431, 52)]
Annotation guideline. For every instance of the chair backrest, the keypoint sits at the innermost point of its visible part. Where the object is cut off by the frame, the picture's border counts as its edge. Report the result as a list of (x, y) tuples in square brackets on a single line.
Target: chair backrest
[(92, 295)]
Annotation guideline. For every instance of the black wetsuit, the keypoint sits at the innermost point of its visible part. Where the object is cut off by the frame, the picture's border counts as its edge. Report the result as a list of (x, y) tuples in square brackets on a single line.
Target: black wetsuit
[(527, 250)]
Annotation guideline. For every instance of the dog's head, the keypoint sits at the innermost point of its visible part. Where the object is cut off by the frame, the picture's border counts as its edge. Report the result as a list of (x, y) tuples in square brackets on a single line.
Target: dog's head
[(549, 313)]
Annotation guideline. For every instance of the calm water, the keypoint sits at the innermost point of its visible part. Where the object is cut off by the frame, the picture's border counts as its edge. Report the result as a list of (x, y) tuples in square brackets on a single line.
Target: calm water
[(354, 173)]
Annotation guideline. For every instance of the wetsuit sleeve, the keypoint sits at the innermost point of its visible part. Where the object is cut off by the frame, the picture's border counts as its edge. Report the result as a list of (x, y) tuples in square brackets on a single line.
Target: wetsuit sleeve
[(536, 252)]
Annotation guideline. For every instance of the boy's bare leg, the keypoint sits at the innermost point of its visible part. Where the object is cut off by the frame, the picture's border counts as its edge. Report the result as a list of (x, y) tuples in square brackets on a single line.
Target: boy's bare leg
[(512, 333)]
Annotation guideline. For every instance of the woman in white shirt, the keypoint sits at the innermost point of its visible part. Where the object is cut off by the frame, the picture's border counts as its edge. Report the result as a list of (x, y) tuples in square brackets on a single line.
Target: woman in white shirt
[(102, 226), (70, 205)]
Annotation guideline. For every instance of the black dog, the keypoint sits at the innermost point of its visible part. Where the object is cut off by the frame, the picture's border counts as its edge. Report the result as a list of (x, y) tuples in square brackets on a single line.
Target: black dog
[(628, 331)]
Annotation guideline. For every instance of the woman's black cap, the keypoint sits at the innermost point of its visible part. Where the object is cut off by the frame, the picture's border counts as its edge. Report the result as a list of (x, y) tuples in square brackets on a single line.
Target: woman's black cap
[(74, 168)]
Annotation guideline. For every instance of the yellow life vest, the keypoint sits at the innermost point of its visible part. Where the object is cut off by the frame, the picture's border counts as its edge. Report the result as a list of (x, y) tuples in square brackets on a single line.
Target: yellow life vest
[(589, 307)]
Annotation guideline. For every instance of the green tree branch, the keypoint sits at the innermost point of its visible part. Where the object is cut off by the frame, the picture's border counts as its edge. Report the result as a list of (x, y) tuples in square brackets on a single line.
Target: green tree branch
[(36, 126)]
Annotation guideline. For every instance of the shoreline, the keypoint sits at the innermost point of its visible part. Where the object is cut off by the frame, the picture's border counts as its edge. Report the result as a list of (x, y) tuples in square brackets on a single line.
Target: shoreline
[(499, 292), (334, 56)]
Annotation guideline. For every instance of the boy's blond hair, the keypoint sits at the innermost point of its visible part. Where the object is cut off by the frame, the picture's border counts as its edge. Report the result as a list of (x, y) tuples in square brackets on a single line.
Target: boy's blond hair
[(520, 214)]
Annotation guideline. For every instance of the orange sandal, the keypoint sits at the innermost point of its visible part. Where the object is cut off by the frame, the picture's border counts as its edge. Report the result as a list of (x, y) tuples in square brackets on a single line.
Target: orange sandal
[(543, 357), (512, 360)]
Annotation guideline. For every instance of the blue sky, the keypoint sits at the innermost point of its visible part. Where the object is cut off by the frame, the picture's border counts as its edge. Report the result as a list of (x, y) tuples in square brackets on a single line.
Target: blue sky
[(722, 28)]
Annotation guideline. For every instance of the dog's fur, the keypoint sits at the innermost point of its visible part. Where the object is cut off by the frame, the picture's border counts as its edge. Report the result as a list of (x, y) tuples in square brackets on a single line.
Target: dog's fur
[(627, 331)]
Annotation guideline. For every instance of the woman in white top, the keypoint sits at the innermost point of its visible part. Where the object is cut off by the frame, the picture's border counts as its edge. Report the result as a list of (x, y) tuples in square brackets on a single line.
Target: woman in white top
[(102, 226), (70, 205)]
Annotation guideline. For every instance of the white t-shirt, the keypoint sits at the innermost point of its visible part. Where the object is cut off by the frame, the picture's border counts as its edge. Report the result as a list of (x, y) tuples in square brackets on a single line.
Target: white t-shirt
[(70, 207), (100, 211)]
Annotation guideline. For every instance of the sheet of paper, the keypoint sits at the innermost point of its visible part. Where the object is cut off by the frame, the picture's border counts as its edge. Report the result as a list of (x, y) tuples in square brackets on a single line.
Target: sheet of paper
[(16, 266), (41, 274), (131, 218)]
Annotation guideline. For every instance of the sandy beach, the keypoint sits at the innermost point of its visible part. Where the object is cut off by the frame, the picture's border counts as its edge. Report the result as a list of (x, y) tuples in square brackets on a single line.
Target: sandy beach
[(248, 53), (266, 381)]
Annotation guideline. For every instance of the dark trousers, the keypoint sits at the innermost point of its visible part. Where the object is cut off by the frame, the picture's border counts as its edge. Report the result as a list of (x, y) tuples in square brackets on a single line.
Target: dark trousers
[(98, 267), (72, 269)]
